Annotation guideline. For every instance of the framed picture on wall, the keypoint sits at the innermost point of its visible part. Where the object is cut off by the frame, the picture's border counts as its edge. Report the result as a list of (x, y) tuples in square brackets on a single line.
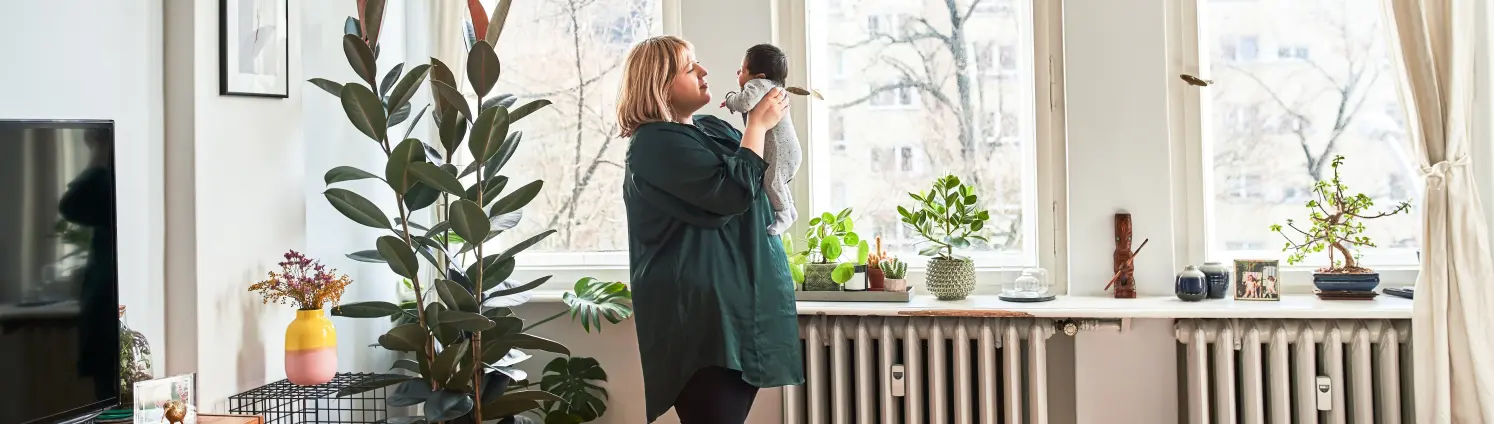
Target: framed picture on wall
[(254, 48)]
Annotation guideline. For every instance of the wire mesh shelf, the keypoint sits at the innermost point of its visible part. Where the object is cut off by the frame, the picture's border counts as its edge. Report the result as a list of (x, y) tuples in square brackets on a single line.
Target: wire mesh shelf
[(283, 402)]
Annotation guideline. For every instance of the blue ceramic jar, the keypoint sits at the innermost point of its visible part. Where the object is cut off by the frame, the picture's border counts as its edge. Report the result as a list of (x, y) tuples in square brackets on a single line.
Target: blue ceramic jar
[(1216, 275), (1190, 285)]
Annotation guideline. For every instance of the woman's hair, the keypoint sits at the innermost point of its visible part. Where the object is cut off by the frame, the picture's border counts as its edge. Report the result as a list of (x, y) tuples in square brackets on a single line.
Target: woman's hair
[(769, 61), (650, 67)]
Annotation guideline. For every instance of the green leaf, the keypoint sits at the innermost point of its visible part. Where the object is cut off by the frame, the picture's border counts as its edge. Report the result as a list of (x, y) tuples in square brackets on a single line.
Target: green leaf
[(496, 22), (404, 338), (361, 58), (365, 111), (519, 401), (496, 272), (518, 289), (505, 100), (407, 86), (482, 67), (446, 361), (407, 365), (396, 170), (797, 272), (455, 296), (533, 342), (370, 309), (482, 134), (433, 176), (357, 208), (505, 152), (398, 116), (469, 221), (327, 86), (410, 393), (420, 197), (352, 27), (517, 199), (447, 405), (528, 108), (830, 248), (594, 300), (575, 380), (494, 187), (389, 79), (401, 259), (843, 273), (527, 243), (466, 321), (373, 17), (376, 381), (370, 256), (346, 173), (509, 300), (449, 94)]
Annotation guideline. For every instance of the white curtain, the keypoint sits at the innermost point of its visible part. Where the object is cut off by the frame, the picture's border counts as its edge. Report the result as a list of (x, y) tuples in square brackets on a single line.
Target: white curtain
[(1454, 307)]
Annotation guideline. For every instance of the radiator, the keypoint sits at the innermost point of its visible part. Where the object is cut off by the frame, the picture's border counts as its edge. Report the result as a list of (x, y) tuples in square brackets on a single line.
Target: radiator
[(917, 370), (1268, 371)]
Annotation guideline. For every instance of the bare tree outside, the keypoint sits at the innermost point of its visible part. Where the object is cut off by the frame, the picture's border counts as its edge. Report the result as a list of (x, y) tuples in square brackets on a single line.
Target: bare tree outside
[(926, 88), (571, 51), (1298, 82)]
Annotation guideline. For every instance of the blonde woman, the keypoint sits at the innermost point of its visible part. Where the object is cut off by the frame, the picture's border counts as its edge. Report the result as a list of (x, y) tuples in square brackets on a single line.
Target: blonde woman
[(711, 289)]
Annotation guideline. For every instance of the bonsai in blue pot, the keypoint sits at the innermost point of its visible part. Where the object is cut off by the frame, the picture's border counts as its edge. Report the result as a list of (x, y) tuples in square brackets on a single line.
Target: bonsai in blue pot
[(1337, 228)]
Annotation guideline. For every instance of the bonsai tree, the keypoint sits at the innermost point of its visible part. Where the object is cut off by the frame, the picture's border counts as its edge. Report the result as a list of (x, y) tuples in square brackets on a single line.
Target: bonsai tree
[(1336, 226), (460, 335), (946, 217)]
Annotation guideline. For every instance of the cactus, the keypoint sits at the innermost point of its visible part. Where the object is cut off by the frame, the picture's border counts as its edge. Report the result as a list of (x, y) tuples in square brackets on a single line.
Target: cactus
[(894, 269)]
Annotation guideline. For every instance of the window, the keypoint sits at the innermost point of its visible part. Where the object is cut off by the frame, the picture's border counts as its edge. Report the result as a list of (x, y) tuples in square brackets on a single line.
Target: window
[(1277, 125), (837, 127), (910, 93), (573, 58)]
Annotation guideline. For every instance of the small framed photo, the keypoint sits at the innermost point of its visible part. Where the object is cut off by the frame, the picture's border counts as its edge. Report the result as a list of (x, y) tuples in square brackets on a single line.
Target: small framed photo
[(254, 48), (170, 400), (1257, 280)]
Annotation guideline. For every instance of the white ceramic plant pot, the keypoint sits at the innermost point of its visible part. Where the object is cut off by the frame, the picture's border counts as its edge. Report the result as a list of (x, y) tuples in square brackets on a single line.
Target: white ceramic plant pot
[(950, 279)]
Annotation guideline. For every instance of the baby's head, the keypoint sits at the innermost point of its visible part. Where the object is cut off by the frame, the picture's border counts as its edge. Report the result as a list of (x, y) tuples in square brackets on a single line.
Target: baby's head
[(763, 61)]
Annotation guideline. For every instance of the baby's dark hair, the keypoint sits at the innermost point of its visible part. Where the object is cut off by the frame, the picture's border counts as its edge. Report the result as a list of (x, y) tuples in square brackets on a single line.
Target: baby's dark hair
[(768, 60)]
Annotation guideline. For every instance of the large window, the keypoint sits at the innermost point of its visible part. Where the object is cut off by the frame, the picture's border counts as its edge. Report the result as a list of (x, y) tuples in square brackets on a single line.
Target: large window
[(922, 88), (1273, 122), (571, 52)]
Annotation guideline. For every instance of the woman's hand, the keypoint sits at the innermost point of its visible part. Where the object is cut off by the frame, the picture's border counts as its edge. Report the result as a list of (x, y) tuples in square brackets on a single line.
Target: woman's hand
[(772, 108)]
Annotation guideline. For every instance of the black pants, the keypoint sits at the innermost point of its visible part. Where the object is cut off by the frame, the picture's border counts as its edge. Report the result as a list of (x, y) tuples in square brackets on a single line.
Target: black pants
[(715, 395)]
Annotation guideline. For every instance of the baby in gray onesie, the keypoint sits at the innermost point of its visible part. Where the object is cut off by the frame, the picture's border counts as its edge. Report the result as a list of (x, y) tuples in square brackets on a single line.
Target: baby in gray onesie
[(764, 68)]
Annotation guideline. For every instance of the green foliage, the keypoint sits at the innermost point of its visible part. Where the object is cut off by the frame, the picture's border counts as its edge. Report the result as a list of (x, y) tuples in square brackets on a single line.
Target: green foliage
[(574, 380), (463, 347), (843, 272), (594, 300), (827, 234), (796, 260), (947, 216), (893, 268), (1336, 227)]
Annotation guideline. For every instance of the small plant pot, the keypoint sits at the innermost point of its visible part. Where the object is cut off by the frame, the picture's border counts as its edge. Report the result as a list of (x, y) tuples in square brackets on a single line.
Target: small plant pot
[(1346, 282), (817, 277), (950, 279), (857, 281), (895, 285), (875, 279)]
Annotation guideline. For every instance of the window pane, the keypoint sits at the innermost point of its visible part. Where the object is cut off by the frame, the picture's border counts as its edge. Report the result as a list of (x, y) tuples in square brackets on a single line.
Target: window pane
[(573, 57), (921, 96), (1274, 123)]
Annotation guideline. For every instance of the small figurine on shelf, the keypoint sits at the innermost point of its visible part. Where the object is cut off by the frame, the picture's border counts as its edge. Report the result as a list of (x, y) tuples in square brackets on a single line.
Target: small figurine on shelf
[(895, 272)]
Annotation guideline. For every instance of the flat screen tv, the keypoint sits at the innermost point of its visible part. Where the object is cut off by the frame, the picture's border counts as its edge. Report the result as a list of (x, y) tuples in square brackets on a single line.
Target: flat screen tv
[(59, 274)]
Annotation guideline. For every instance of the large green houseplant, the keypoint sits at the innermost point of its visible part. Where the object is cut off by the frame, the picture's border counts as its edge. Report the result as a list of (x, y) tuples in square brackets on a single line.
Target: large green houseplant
[(466, 342), (947, 217)]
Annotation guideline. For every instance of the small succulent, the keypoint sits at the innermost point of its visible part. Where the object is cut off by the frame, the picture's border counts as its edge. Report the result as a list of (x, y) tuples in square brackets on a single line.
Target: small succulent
[(893, 268)]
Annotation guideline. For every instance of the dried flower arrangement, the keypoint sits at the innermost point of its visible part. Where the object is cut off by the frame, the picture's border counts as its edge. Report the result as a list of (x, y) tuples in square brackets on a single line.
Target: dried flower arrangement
[(303, 282)]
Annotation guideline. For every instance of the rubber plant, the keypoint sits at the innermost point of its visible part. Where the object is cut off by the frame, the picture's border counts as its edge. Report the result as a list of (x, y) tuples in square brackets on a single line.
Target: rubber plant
[(464, 346), (1336, 226)]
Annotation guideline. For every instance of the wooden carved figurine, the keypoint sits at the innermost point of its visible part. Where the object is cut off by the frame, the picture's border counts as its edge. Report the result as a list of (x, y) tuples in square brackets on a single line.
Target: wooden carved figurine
[(1125, 286)]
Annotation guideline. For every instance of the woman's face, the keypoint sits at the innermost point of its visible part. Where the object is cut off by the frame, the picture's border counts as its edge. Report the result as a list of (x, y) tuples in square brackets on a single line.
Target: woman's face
[(689, 91)]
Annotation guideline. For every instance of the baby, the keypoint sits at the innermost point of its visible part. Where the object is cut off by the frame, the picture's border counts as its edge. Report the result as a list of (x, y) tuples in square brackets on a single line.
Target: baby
[(764, 68)]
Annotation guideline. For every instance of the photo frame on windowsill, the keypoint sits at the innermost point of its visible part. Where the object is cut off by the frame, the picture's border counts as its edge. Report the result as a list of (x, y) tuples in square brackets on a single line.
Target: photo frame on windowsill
[(254, 48)]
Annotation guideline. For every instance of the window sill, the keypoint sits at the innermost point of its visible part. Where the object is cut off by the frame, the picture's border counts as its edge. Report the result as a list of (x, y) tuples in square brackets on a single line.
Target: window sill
[(1289, 307)]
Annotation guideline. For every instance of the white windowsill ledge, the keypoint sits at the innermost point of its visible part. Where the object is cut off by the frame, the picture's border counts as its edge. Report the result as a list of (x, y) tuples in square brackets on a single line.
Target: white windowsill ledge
[(1289, 307)]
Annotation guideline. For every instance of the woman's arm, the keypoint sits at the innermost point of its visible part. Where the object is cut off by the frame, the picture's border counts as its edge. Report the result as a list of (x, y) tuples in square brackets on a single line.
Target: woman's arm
[(674, 161), (772, 108)]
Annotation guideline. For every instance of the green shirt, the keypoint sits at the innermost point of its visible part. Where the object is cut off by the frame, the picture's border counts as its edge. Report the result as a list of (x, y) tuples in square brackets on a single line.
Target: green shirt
[(710, 286)]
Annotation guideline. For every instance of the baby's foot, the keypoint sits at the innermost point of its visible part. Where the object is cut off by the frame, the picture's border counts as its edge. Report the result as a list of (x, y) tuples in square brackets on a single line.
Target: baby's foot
[(782, 219)]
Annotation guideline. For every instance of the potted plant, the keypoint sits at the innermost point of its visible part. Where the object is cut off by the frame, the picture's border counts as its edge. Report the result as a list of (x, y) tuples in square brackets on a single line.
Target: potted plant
[(947, 218), (1336, 228), (875, 278), (857, 282), (310, 340), (826, 236), (895, 272)]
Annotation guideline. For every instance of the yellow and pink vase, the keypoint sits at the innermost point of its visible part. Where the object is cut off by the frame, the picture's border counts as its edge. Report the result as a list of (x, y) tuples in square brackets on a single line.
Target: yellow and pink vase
[(310, 348)]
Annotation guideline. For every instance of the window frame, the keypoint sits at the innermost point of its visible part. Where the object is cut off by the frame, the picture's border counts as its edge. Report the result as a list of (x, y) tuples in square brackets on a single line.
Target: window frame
[(1187, 107)]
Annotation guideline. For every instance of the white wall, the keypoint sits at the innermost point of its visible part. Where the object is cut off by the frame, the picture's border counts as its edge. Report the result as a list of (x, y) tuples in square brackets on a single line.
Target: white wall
[(78, 59), (234, 202)]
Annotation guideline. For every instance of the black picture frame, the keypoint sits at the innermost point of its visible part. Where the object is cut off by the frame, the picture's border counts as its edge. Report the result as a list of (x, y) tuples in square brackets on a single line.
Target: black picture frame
[(237, 84)]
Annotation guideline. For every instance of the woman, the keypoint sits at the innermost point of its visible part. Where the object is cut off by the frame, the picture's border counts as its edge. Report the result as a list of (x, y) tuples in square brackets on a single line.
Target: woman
[(713, 298)]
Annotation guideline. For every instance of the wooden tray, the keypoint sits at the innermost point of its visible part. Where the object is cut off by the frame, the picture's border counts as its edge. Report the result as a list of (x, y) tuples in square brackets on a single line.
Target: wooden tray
[(854, 296)]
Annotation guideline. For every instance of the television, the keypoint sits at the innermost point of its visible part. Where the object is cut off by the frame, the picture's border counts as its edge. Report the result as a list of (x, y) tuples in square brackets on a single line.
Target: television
[(59, 274)]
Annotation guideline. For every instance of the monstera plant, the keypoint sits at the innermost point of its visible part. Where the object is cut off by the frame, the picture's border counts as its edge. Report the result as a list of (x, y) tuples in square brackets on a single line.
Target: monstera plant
[(463, 341)]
